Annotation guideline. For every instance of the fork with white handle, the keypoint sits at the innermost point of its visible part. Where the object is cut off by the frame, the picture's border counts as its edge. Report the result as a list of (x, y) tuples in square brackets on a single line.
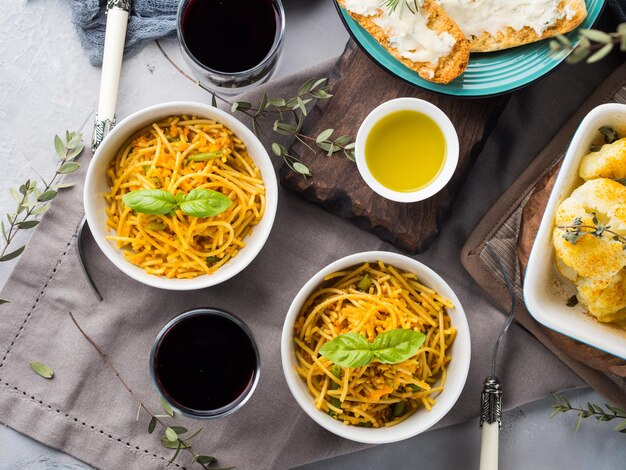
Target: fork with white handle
[(491, 397)]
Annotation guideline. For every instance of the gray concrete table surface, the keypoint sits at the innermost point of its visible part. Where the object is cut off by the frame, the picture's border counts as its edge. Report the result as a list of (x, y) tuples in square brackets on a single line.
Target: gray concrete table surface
[(47, 86)]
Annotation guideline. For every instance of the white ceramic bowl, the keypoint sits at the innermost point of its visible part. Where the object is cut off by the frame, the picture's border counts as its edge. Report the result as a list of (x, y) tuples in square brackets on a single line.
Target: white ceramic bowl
[(544, 293), (96, 185), (421, 420), (449, 133)]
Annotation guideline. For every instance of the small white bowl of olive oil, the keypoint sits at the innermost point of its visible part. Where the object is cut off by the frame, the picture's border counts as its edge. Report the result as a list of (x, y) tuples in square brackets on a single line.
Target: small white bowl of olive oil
[(407, 150)]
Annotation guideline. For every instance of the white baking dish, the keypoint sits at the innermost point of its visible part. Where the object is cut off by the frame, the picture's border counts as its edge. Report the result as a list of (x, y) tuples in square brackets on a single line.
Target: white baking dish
[(545, 292)]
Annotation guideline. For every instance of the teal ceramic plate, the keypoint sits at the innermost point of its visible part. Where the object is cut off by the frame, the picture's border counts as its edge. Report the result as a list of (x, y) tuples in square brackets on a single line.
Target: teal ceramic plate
[(488, 73)]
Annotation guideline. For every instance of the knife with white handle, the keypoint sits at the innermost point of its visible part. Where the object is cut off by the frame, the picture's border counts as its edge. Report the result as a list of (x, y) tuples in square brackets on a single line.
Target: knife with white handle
[(117, 12)]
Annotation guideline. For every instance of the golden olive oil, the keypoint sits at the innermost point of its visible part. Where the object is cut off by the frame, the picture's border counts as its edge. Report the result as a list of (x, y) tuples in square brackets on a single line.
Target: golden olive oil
[(405, 150)]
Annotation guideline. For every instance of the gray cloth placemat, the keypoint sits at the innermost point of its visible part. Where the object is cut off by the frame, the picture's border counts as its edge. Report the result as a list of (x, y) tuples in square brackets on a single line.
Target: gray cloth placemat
[(84, 410)]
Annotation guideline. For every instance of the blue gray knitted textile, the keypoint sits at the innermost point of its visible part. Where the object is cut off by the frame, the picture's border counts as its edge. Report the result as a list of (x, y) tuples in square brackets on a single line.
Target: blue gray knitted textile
[(150, 19)]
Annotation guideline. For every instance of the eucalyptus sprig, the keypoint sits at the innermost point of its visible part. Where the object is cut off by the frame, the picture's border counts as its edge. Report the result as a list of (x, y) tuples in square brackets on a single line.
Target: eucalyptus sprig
[(174, 437), (591, 46), (287, 116), (563, 405), (576, 230), (291, 114), (32, 198)]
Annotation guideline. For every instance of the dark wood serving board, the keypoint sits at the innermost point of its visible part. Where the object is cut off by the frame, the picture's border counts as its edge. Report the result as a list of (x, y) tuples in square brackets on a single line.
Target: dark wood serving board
[(358, 86)]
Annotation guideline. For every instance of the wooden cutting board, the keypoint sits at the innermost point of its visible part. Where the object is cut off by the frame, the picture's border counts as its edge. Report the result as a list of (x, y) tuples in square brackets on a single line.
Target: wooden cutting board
[(358, 86)]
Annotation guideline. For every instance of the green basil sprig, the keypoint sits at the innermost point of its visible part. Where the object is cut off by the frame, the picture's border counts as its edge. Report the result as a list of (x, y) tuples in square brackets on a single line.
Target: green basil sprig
[(390, 347), (198, 203), (151, 201), (204, 203)]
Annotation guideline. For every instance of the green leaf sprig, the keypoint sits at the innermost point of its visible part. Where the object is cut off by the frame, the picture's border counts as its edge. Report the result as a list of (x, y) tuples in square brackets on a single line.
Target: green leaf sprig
[(198, 203), (292, 113), (32, 199), (174, 437), (287, 116), (390, 347), (576, 230), (590, 46), (563, 405)]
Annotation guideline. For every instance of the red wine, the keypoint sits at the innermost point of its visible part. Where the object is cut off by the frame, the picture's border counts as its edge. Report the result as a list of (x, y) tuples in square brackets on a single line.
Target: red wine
[(229, 35), (205, 361)]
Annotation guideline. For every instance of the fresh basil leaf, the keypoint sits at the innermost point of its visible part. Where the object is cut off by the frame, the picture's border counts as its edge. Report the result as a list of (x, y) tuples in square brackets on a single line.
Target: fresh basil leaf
[(204, 203), (348, 350), (150, 201), (391, 347)]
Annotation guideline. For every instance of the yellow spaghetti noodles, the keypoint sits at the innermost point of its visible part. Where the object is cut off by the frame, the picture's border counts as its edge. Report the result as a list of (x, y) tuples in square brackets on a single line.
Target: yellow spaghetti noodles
[(161, 156), (369, 300)]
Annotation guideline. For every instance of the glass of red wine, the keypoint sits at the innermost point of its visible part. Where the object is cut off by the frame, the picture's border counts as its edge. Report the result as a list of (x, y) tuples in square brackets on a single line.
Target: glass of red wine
[(205, 363), (231, 45)]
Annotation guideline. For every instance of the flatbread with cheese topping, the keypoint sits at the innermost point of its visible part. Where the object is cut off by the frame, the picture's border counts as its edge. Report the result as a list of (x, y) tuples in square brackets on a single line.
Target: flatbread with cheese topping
[(569, 14), (446, 67)]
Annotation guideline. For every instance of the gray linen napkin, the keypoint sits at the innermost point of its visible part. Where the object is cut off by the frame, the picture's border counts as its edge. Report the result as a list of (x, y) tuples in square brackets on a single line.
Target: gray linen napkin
[(84, 410)]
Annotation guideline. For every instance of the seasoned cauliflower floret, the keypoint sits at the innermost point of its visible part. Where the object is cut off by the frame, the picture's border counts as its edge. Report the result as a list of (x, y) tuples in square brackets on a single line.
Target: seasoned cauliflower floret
[(595, 263), (606, 300), (608, 162)]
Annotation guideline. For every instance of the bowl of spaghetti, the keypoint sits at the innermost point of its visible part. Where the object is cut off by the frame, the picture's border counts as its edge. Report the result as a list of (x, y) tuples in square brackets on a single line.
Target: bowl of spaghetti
[(376, 347), (180, 196)]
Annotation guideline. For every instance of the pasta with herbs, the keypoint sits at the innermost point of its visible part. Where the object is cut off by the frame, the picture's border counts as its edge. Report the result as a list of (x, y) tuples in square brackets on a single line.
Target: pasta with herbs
[(179, 154), (371, 299)]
